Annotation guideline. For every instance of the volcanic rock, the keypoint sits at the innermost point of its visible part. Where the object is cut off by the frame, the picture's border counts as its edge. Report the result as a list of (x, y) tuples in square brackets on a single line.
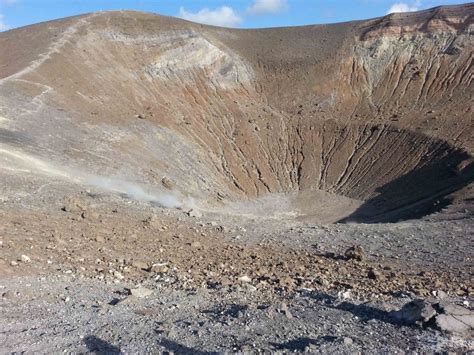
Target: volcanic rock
[(455, 319), (374, 274), (415, 312), (25, 258), (195, 213), (168, 183), (355, 252), (140, 292)]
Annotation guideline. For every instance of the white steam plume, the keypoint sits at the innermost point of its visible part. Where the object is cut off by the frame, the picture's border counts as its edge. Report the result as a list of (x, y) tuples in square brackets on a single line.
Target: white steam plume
[(132, 190)]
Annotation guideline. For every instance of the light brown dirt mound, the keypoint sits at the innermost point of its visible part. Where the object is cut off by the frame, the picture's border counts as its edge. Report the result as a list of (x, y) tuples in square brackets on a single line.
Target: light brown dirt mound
[(377, 111)]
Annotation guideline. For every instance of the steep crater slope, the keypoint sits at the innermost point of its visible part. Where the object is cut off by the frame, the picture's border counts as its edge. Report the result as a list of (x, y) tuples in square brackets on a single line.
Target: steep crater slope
[(378, 111)]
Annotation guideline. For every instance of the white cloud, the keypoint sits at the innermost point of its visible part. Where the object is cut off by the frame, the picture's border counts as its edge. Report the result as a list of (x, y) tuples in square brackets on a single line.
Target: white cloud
[(222, 16), (3, 25), (403, 7), (260, 7), (8, 2)]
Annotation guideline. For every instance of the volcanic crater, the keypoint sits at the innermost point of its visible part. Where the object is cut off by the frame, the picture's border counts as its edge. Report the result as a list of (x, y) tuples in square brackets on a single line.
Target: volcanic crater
[(251, 186), (356, 122)]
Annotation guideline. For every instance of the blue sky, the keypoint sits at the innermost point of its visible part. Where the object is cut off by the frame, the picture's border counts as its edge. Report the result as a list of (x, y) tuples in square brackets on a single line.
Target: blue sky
[(230, 13)]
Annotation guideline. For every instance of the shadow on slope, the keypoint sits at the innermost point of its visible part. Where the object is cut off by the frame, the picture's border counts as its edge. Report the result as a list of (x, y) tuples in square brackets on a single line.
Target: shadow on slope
[(99, 346), (418, 193)]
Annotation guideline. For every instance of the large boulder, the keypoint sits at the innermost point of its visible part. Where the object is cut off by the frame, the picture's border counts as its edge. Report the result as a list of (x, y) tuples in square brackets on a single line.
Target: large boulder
[(415, 312), (455, 319), (444, 316)]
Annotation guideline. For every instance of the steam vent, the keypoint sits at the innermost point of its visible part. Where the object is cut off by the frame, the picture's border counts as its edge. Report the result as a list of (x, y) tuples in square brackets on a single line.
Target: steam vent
[(149, 161)]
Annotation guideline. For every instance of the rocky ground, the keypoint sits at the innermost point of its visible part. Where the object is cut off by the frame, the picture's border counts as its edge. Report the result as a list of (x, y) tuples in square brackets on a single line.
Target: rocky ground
[(63, 313), (113, 274)]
